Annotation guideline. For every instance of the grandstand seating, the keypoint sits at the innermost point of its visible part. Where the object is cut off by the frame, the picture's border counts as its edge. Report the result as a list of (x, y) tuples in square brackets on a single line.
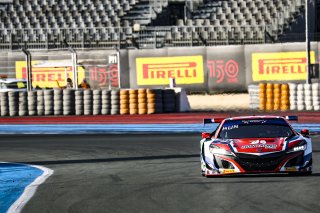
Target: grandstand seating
[(109, 23)]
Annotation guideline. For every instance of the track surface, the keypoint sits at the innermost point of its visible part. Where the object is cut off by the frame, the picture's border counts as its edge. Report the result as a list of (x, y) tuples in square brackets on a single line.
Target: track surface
[(145, 173)]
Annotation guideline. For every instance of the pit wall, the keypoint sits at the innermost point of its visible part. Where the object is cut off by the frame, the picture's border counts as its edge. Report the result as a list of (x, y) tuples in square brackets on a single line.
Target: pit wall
[(88, 102), (205, 69), (275, 97)]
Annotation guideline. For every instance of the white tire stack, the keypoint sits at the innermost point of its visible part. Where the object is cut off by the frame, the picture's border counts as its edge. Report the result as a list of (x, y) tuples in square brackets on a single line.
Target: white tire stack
[(96, 102), (115, 102), (48, 102), (68, 102), (40, 102), (32, 103), (293, 98), (58, 104), (316, 96), (4, 103), (105, 102), (308, 97), (79, 110), (13, 103), (300, 97), (87, 102), (23, 103), (253, 91)]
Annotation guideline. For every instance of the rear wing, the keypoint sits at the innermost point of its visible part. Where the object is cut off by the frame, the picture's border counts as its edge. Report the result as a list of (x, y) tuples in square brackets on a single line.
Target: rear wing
[(291, 117), (212, 120)]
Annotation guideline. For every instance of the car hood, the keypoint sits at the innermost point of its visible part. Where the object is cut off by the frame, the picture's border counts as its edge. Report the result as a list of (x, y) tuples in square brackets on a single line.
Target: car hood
[(258, 145)]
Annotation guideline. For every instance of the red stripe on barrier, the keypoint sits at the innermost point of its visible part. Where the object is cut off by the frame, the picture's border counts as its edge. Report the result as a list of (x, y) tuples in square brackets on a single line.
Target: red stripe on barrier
[(172, 118)]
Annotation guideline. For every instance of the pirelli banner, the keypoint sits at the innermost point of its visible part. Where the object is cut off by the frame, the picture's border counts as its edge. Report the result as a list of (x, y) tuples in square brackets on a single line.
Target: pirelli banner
[(278, 62), (197, 68)]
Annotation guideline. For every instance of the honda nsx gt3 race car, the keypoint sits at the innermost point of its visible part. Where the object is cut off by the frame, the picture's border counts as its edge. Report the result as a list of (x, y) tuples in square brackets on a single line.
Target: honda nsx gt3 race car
[(255, 144)]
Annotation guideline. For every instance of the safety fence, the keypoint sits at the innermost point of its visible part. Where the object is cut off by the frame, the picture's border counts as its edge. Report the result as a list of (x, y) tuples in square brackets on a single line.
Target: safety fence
[(273, 97), (87, 102)]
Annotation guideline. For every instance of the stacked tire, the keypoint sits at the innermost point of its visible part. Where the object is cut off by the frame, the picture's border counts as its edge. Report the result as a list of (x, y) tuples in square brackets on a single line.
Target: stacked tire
[(133, 102), (293, 96), (300, 97), (262, 96), (48, 102), (87, 102), (32, 103), (276, 96), (115, 102), (106, 102), (284, 104), (124, 102), (79, 110), (269, 97), (23, 103), (68, 102), (4, 100), (58, 102), (96, 102), (13, 103), (308, 96), (253, 91), (316, 96), (154, 99), (169, 100), (40, 102), (142, 102)]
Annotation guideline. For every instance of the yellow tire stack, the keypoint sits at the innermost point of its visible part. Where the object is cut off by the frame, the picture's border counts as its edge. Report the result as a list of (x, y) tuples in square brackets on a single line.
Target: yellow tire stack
[(285, 103), (142, 102), (124, 102), (276, 96), (133, 101), (269, 95), (262, 96)]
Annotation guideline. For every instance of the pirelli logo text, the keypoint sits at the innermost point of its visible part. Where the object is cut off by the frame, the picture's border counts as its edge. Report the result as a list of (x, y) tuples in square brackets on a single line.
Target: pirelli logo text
[(47, 76), (280, 66), (157, 71)]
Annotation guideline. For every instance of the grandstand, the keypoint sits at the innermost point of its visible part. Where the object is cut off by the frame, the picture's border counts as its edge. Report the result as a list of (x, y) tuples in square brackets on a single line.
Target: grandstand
[(46, 24)]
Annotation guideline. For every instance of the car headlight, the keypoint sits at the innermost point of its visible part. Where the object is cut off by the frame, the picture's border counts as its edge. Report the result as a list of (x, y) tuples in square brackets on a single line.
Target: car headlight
[(218, 150), (301, 147)]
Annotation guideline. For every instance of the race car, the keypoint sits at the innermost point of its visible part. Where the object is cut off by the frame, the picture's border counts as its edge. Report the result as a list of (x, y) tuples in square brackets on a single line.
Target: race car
[(254, 145)]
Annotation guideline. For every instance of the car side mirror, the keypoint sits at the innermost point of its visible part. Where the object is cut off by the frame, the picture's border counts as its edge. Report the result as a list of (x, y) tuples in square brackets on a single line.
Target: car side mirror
[(206, 135), (305, 132)]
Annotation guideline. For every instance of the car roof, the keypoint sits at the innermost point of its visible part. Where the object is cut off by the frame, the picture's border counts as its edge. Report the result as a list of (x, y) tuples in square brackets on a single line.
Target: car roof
[(12, 80)]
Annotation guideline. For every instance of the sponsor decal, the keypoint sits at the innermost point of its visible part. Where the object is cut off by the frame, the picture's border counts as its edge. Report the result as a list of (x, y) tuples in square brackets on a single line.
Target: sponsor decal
[(222, 70), (259, 144), (157, 71), (230, 127), (228, 171), (47, 76), (291, 169), (280, 66)]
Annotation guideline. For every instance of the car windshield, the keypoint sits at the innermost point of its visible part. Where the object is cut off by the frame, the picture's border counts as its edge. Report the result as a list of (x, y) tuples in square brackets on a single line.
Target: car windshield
[(17, 85), (255, 128)]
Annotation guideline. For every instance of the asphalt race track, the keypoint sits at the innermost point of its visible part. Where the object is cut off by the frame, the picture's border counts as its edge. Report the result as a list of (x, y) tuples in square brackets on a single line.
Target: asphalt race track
[(149, 173)]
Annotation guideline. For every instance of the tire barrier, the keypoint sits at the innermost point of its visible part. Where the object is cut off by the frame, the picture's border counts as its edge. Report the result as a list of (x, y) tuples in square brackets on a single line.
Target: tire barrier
[(105, 102), (79, 109), (32, 103), (154, 101), (142, 102), (96, 102), (274, 97), (88, 102), (253, 91), (58, 102), (115, 102)]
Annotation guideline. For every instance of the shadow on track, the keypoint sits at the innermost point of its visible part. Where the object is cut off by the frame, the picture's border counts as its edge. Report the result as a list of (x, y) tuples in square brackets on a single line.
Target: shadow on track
[(103, 160)]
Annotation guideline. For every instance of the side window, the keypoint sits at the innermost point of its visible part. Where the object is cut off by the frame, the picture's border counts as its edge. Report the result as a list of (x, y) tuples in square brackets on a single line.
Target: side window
[(215, 131)]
